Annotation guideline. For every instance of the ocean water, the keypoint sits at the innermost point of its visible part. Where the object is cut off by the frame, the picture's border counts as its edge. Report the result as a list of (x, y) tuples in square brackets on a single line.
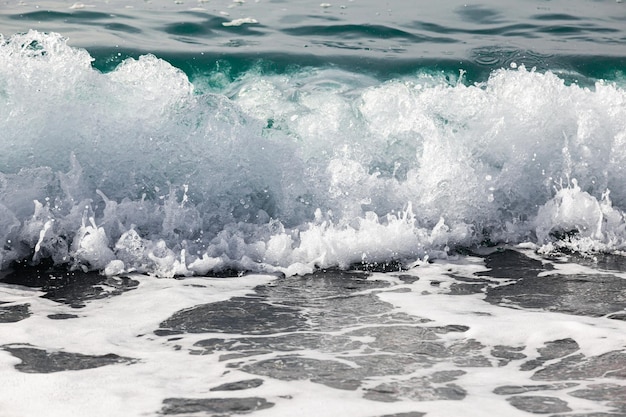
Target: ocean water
[(177, 139), (421, 208)]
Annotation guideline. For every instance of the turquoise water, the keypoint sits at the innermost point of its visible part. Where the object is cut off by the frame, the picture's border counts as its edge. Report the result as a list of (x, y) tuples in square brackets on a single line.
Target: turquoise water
[(179, 138), (386, 38)]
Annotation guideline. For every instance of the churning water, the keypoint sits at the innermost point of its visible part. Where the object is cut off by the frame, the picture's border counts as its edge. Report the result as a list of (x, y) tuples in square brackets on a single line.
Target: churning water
[(187, 139)]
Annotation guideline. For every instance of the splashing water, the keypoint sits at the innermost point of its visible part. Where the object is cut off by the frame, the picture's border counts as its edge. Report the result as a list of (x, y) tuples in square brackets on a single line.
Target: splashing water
[(141, 169)]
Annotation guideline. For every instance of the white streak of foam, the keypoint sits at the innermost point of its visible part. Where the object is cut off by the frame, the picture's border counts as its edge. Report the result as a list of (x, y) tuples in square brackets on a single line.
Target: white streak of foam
[(239, 22), (499, 325)]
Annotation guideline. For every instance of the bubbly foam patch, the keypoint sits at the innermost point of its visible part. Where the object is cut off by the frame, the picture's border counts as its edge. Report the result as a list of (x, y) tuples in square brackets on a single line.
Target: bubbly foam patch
[(141, 169), (383, 344)]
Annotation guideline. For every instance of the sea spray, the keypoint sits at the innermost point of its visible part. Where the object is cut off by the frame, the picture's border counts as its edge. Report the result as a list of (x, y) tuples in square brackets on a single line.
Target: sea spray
[(140, 169)]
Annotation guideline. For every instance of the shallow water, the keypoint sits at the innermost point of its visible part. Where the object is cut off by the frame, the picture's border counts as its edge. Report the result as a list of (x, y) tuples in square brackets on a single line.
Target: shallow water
[(471, 336)]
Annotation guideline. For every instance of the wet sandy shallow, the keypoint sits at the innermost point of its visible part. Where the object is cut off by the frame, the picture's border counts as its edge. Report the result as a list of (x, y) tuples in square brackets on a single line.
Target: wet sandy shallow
[(510, 334)]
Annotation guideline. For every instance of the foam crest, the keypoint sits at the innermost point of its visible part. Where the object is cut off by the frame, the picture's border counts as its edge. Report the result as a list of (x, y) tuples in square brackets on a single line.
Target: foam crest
[(141, 169)]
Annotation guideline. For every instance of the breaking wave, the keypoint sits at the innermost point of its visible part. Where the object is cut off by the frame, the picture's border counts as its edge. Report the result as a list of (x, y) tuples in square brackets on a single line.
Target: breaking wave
[(142, 169)]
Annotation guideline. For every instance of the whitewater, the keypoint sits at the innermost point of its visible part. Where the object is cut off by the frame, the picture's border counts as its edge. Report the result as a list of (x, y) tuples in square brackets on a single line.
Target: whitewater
[(270, 208), (145, 169)]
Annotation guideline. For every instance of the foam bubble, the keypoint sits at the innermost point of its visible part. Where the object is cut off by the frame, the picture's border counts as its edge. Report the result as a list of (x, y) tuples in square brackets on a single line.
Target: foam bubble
[(140, 169)]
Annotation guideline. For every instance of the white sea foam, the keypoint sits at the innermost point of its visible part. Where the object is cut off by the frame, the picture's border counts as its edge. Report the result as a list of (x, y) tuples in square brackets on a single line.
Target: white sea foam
[(123, 325), (142, 170)]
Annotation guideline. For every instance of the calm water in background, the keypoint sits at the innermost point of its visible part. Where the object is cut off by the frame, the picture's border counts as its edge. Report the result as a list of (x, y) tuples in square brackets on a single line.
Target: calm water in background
[(392, 37)]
